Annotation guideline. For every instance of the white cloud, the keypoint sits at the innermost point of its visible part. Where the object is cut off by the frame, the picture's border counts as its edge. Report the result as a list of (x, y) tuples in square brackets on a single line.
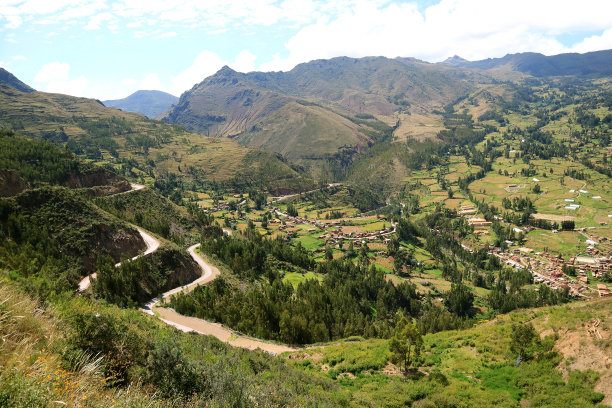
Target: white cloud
[(205, 64), (19, 58), (473, 29), (55, 71), (167, 35), (244, 61), (13, 21), (596, 42), (76, 87), (95, 21), (151, 81)]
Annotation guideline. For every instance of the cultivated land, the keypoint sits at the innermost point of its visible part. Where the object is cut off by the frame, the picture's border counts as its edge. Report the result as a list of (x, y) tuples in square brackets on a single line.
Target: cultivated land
[(464, 213)]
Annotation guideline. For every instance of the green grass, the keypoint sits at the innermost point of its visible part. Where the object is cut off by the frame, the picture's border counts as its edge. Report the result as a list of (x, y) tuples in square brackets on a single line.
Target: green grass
[(309, 242), (295, 278)]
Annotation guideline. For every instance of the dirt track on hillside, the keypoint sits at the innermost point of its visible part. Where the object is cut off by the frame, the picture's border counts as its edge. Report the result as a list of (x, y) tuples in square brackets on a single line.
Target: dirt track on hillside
[(152, 245), (201, 326)]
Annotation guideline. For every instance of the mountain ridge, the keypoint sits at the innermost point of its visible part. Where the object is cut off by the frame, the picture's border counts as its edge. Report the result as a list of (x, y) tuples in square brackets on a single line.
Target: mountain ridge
[(540, 65), (11, 81)]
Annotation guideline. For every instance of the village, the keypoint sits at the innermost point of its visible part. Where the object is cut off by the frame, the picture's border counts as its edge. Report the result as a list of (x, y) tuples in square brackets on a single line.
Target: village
[(554, 271), (576, 274), (334, 232)]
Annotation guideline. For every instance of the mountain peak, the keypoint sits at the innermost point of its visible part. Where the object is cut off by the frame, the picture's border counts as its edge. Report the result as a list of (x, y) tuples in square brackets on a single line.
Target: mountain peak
[(455, 60), (10, 80), (225, 70)]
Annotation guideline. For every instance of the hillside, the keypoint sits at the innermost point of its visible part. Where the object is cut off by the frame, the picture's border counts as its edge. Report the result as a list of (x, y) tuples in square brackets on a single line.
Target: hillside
[(568, 364), (138, 147), (11, 81), (26, 163), (149, 103), (597, 63), (317, 109)]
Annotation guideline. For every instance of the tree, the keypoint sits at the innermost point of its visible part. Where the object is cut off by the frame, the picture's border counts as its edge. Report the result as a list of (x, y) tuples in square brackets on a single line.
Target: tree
[(406, 344), (329, 254), (291, 210), (524, 339), (393, 246), (568, 225), (537, 189), (459, 299), (398, 262)]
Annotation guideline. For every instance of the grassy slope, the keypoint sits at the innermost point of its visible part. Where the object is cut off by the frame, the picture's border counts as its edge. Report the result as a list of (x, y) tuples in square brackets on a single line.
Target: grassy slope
[(476, 366), (63, 355), (110, 135)]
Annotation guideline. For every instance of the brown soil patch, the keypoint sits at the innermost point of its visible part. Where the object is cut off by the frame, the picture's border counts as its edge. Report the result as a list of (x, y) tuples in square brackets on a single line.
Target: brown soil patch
[(554, 217), (347, 229), (391, 369), (585, 349), (514, 189), (316, 357), (349, 376)]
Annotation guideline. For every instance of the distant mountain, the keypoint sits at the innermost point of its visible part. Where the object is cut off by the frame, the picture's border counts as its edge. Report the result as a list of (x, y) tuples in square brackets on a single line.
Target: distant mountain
[(597, 63), (320, 108), (11, 81), (108, 135), (149, 103)]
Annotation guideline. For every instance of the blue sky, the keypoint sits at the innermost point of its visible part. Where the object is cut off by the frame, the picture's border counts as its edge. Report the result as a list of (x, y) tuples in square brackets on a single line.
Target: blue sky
[(110, 48)]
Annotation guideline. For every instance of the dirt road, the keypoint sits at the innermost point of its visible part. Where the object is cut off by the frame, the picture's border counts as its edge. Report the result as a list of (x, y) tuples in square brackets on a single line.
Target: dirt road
[(152, 245), (201, 326)]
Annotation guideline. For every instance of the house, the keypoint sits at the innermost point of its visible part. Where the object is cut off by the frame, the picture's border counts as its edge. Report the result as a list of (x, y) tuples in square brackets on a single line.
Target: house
[(603, 290), (478, 222)]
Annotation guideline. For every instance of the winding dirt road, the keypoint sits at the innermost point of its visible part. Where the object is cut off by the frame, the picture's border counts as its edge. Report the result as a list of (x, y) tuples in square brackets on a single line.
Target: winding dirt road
[(201, 326), (186, 323), (152, 245)]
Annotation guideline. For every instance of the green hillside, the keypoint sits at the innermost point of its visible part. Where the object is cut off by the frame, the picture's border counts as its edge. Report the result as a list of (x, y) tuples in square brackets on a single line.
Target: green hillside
[(138, 147)]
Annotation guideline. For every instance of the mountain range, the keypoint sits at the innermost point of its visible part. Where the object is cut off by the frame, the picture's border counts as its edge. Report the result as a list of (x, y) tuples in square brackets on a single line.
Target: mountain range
[(539, 65)]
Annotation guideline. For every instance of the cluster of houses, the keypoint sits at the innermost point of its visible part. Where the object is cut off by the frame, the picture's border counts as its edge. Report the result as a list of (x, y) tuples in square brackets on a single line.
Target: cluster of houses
[(548, 269), (333, 233)]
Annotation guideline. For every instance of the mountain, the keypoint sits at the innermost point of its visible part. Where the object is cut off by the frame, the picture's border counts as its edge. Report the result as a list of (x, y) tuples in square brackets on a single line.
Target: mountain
[(597, 63), (318, 109), (139, 147), (11, 81), (149, 103)]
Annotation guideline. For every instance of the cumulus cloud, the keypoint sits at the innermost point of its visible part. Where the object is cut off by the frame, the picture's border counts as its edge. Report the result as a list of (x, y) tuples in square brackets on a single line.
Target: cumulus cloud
[(54, 77), (96, 21), (167, 35), (76, 87), (596, 42), (244, 61), (151, 81), (205, 64), (473, 29), (55, 71)]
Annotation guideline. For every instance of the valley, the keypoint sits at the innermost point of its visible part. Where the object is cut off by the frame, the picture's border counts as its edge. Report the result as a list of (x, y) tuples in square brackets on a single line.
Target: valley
[(353, 232)]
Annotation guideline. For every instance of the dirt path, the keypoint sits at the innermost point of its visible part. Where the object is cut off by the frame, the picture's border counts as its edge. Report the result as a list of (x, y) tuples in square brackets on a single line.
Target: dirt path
[(201, 326), (152, 245), (281, 198)]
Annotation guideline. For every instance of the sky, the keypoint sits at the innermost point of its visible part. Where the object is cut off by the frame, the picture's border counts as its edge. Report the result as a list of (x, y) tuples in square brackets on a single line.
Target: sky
[(107, 49)]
